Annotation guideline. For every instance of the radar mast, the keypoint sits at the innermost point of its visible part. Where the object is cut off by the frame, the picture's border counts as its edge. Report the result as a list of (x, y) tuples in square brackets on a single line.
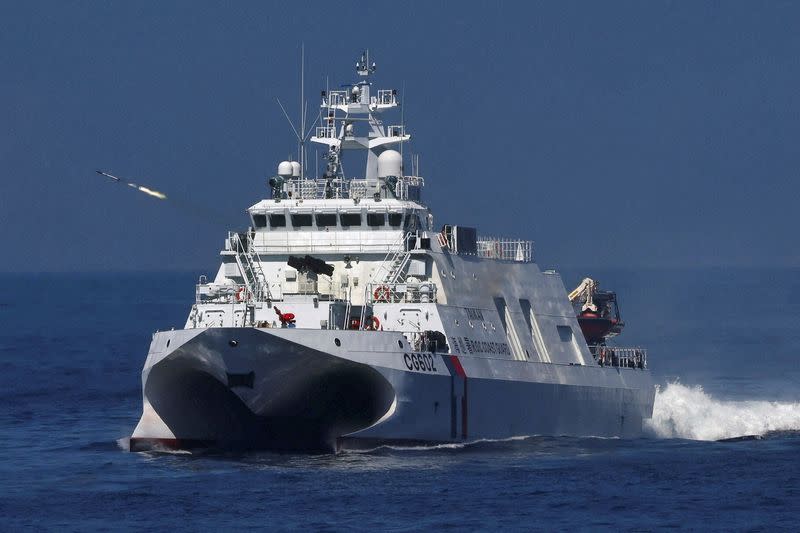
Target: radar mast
[(346, 112)]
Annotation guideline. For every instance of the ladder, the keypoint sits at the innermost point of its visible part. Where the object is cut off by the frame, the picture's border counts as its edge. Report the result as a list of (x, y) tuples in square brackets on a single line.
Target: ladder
[(254, 278), (393, 266), (391, 270)]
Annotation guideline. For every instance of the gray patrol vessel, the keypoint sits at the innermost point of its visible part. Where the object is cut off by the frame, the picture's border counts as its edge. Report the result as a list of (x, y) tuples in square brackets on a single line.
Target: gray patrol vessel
[(342, 318)]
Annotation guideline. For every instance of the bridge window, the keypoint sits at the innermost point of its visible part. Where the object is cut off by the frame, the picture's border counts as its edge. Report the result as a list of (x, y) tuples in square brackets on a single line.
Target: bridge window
[(260, 221), (350, 219), (326, 219), (395, 219), (277, 221), (376, 219), (301, 221)]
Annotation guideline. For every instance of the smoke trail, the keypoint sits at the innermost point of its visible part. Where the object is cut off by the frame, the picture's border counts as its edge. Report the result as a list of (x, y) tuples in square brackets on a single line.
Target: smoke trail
[(205, 213), (151, 192), (687, 412)]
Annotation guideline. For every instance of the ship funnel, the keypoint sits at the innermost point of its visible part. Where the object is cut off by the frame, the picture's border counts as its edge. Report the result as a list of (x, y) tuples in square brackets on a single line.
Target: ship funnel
[(390, 163)]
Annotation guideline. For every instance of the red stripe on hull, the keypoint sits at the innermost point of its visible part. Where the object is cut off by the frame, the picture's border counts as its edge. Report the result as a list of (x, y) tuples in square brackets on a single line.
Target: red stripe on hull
[(457, 365), (464, 411)]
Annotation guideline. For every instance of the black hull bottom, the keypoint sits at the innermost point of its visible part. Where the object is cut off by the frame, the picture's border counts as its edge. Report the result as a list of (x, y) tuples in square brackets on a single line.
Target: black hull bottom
[(297, 401)]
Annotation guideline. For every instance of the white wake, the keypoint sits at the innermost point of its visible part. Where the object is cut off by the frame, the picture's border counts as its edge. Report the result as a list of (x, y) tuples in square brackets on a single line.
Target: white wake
[(686, 412)]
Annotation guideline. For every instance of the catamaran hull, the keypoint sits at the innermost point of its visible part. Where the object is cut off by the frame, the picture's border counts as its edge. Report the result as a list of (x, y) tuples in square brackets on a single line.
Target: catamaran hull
[(321, 390)]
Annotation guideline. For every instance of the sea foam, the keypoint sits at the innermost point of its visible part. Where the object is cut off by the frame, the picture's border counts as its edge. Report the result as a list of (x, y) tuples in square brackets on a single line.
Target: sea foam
[(688, 412)]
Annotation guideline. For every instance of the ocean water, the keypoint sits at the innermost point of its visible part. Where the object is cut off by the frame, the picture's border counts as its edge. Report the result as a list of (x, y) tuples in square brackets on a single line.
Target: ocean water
[(724, 345)]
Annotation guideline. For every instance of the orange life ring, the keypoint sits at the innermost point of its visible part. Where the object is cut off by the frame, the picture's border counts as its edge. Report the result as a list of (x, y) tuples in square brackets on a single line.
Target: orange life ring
[(241, 294), (372, 323), (381, 294)]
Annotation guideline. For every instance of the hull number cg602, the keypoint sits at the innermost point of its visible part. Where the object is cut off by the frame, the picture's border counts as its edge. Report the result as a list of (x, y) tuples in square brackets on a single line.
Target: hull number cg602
[(421, 362)]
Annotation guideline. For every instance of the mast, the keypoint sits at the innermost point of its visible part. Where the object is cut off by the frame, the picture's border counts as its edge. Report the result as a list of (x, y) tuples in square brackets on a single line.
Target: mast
[(353, 109), (302, 111)]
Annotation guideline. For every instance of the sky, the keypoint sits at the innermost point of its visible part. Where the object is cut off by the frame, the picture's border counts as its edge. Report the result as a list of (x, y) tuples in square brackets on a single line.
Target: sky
[(619, 134)]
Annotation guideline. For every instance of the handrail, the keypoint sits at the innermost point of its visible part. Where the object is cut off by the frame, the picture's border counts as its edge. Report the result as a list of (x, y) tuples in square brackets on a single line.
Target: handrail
[(618, 356), (422, 292), (407, 187), (400, 247), (254, 278), (505, 249), (229, 294)]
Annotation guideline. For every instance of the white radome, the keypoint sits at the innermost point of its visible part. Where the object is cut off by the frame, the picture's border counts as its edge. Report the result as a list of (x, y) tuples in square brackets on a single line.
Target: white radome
[(390, 163), (285, 169)]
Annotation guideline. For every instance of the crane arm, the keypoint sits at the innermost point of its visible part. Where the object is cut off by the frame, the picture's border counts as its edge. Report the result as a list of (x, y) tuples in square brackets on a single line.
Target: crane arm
[(585, 289)]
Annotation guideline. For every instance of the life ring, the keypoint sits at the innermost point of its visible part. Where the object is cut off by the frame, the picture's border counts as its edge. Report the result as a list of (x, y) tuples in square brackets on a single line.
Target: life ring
[(372, 323), (381, 294), (241, 294)]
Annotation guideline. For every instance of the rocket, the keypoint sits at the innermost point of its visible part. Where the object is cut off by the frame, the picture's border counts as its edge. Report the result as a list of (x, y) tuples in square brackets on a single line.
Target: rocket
[(108, 175), (142, 188)]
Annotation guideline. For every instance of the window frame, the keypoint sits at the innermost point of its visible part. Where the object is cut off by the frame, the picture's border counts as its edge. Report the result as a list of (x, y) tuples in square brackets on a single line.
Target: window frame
[(326, 214), (376, 214), (302, 226), (271, 218), (389, 218), (262, 217), (343, 214)]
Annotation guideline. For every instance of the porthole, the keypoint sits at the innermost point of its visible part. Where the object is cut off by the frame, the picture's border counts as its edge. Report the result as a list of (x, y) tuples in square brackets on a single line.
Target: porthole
[(400, 344), (168, 341), (337, 342), (233, 344), (456, 321)]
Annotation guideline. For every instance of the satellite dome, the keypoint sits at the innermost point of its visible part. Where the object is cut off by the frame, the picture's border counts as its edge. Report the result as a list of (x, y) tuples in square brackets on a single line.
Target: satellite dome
[(295, 169), (390, 163), (285, 169)]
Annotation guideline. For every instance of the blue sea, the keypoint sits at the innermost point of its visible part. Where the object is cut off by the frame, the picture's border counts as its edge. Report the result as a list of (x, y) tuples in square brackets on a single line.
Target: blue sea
[(724, 345)]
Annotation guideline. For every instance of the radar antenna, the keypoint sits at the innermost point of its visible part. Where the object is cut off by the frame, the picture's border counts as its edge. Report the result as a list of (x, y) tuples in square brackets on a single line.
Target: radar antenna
[(363, 66)]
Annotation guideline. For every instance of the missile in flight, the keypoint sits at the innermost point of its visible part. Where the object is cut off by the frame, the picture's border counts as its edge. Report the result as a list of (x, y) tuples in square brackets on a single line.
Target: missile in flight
[(155, 194)]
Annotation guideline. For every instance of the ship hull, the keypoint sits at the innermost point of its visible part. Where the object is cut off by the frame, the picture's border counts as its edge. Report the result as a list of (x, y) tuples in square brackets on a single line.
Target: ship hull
[(321, 390)]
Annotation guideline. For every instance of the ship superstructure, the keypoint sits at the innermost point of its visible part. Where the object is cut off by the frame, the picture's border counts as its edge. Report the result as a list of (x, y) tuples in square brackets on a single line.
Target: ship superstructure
[(341, 316)]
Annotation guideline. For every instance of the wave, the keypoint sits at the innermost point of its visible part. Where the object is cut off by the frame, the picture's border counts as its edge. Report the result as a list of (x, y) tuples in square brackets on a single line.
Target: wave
[(440, 446), (688, 412), (124, 443)]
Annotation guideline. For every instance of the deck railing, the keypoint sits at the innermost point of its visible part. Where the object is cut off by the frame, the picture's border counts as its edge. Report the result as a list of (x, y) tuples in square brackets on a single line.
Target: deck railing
[(424, 292), (505, 249), (216, 293), (407, 188), (617, 356)]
